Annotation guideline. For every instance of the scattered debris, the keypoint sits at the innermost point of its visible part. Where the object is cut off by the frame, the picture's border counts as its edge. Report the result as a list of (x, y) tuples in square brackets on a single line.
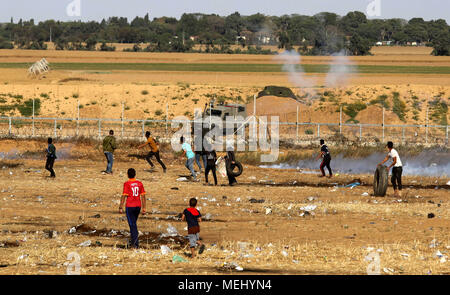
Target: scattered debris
[(268, 211), (85, 244), (254, 201), (308, 210), (431, 215), (174, 188), (165, 250), (95, 216), (365, 194), (182, 179), (177, 258)]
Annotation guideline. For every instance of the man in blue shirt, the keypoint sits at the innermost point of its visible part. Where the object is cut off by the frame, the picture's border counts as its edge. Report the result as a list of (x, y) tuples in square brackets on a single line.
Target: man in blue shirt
[(187, 150)]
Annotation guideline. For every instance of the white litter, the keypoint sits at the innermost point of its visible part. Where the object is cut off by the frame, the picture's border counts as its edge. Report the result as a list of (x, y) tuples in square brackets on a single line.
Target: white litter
[(85, 244), (268, 211), (284, 253), (72, 230), (309, 208), (165, 250), (365, 194), (182, 179)]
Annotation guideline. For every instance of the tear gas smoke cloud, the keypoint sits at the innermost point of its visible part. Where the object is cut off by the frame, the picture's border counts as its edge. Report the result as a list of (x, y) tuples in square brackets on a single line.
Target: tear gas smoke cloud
[(340, 71), (427, 163), (291, 65)]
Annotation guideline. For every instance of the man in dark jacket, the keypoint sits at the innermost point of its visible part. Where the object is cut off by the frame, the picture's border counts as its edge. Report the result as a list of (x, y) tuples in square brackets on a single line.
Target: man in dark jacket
[(109, 146), (229, 160), (51, 156)]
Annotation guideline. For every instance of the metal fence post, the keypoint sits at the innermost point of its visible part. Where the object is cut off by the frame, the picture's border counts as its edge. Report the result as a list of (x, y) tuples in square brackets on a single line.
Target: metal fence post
[(383, 124), (446, 134), (143, 127), (360, 132), (318, 130), (78, 117), (33, 117), (167, 118), (54, 130), (340, 120), (403, 135), (296, 124), (426, 128), (123, 106), (99, 128), (9, 130)]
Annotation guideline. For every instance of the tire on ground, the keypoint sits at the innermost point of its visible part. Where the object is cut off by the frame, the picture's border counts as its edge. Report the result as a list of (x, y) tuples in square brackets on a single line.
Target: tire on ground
[(237, 173), (380, 181)]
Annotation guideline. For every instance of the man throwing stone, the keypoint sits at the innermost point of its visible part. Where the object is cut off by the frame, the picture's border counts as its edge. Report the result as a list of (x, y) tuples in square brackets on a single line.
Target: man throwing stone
[(154, 151)]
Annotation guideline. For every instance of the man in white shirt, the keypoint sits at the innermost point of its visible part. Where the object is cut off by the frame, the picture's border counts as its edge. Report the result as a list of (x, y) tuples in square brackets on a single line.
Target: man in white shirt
[(396, 178)]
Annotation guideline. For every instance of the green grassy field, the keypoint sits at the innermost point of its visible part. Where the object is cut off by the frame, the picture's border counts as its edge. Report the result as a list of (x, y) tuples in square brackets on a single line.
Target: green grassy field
[(269, 68)]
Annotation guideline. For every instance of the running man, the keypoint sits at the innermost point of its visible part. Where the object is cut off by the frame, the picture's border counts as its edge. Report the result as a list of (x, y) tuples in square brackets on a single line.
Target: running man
[(51, 157), (326, 158), (397, 171), (109, 146), (187, 150), (154, 151), (134, 193)]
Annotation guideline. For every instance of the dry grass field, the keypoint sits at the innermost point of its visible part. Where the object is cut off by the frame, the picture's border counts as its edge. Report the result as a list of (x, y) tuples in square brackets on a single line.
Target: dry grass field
[(271, 237)]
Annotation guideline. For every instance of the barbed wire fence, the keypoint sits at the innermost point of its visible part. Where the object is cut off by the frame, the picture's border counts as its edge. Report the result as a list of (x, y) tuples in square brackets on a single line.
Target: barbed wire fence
[(291, 130), (294, 132)]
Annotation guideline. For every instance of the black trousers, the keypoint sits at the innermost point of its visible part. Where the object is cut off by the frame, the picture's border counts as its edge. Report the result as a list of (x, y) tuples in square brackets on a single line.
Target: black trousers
[(211, 166), (326, 163), (156, 154), (49, 166), (396, 177), (231, 178)]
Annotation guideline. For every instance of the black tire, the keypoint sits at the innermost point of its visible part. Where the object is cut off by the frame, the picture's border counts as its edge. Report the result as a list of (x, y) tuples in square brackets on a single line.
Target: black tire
[(230, 169), (380, 181)]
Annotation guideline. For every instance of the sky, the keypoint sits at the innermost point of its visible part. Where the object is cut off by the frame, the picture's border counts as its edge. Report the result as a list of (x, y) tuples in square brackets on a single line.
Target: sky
[(88, 10)]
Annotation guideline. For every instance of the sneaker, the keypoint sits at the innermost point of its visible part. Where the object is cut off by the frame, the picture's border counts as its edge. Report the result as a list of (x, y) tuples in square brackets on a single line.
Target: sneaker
[(164, 170), (202, 248)]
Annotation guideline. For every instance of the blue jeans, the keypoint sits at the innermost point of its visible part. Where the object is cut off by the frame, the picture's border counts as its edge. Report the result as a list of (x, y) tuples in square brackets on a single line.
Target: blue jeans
[(190, 166), (132, 216), (110, 158), (197, 160)]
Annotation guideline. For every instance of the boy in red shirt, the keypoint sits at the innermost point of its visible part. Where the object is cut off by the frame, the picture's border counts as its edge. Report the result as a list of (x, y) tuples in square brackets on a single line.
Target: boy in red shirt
[(193, 217), (134, 193)]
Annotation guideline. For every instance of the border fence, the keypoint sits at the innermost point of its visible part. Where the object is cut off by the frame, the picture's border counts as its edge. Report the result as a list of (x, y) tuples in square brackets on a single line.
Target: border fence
[(294, 132)]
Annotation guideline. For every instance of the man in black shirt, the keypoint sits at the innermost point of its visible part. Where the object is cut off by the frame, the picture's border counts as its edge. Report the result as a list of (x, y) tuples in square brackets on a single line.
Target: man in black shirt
[(51, 156), (211, 158), (326, 158)]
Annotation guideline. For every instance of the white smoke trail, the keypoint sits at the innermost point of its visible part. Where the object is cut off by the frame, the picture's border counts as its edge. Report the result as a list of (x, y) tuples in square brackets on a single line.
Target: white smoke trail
[(341, 70), (291, 61)]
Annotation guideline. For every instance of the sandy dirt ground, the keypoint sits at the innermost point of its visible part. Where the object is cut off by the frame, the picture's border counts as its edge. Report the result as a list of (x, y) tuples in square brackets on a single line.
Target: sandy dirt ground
[(271, 237)]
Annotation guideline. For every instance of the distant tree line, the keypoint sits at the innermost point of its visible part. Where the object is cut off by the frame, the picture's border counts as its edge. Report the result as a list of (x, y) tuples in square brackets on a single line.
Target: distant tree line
[(322, 34)]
